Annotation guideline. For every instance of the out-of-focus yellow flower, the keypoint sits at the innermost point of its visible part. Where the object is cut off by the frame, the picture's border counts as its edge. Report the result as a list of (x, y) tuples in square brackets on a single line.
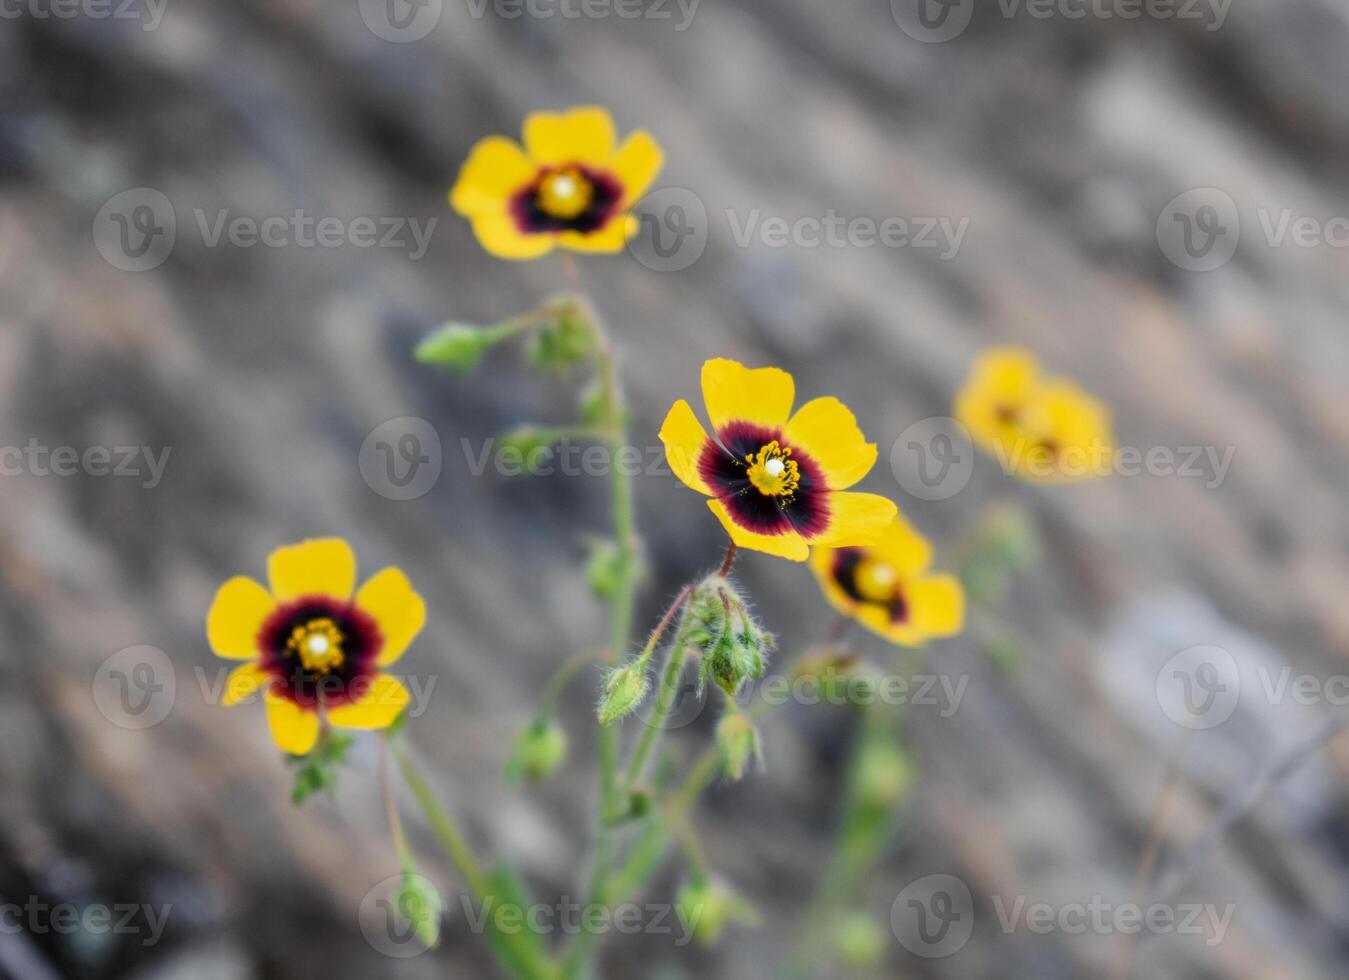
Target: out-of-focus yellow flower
[(312, 648), (570, 185), (778, 480), (886, 588), (1039, 428)]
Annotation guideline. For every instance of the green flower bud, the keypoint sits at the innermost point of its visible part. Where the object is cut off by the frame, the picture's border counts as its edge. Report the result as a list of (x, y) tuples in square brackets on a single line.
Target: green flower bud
[(539, 750), (705, 909), (883, 774), (566, 342), (530, 442), (456, 347), (418, 901), (605, 566), (719, 626), (858, 939), (595, 407), (739, 743), (623, 692)]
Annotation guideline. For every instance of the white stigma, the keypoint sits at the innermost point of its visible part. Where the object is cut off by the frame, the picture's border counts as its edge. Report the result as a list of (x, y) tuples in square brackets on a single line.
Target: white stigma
[(564, 186), (883, 574), (318, 644), (774, 467)]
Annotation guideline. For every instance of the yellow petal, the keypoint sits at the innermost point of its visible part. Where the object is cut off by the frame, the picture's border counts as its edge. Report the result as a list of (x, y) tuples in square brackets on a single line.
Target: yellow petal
[(684, 438), (400, 612), (856, 519), (319, 566), (495, 169), (936, 605), (608, 239), (583, 135), (500, 236), (1002, 378), (733, 392), (378, 707), (1080, 426), (1009, 372), (903, 547), (901, 634), (822, 564), (294, 729), (789, 545), (827, 431), (243, 682), (236, 616), (638, 161)]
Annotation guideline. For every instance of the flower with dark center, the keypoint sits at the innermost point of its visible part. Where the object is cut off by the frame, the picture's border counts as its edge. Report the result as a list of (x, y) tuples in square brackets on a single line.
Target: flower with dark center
[(312, 648), (1042, 429), (778, 480), (886, 588), (570, 185)]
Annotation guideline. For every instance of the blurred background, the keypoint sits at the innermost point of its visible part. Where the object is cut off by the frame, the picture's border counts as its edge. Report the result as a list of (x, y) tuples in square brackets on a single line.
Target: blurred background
[(1149, 196)]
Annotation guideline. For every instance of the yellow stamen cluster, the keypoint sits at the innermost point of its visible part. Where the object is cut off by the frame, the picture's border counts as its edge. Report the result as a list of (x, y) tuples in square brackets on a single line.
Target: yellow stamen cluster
[(772, 471), (564, 193), (875, 580), (319, 645)]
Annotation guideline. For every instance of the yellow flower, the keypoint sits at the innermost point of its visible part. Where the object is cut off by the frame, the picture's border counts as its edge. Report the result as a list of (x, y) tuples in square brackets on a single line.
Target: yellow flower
[(311, 647), (571, 185), (1039, 428), (778, 480), (885, 587)]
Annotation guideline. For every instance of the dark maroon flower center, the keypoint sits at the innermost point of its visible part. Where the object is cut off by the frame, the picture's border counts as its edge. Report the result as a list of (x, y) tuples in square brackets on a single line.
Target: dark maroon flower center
[(572, 197), (768, 486), (319, 649), (847, 564)]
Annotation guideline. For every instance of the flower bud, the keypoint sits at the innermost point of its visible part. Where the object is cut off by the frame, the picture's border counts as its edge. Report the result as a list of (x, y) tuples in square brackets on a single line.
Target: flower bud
[(623, 692), (705, 909), (739, 743), (530, 442), (418, 901), (605, 567), (565, 342), (858, 939), (718, 624), (539, 750), (456, 347), (883, 774)]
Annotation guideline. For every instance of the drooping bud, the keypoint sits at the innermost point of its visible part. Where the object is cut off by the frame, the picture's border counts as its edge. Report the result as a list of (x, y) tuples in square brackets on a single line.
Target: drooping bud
[(565, 341), (858, 939), (739, 742), (624, 690), (883, 774), (418, 901), (720, 627), (456, 347), (705, 908), (840, 676), (606, 566), (530, 443), (539, 750)]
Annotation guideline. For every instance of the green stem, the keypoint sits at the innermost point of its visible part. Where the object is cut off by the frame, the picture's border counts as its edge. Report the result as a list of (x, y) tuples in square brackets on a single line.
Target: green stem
[(665, 696), (560, 679), (456, 848)]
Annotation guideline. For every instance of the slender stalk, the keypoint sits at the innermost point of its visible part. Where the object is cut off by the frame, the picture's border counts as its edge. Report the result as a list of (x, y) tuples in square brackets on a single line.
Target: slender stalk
[(560, 679), (456, 848), (400, 842), (665, 696), (729, 560)]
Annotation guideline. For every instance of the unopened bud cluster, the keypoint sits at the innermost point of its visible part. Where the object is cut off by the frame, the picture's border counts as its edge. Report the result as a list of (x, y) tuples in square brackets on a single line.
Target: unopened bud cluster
[(719, 626)]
